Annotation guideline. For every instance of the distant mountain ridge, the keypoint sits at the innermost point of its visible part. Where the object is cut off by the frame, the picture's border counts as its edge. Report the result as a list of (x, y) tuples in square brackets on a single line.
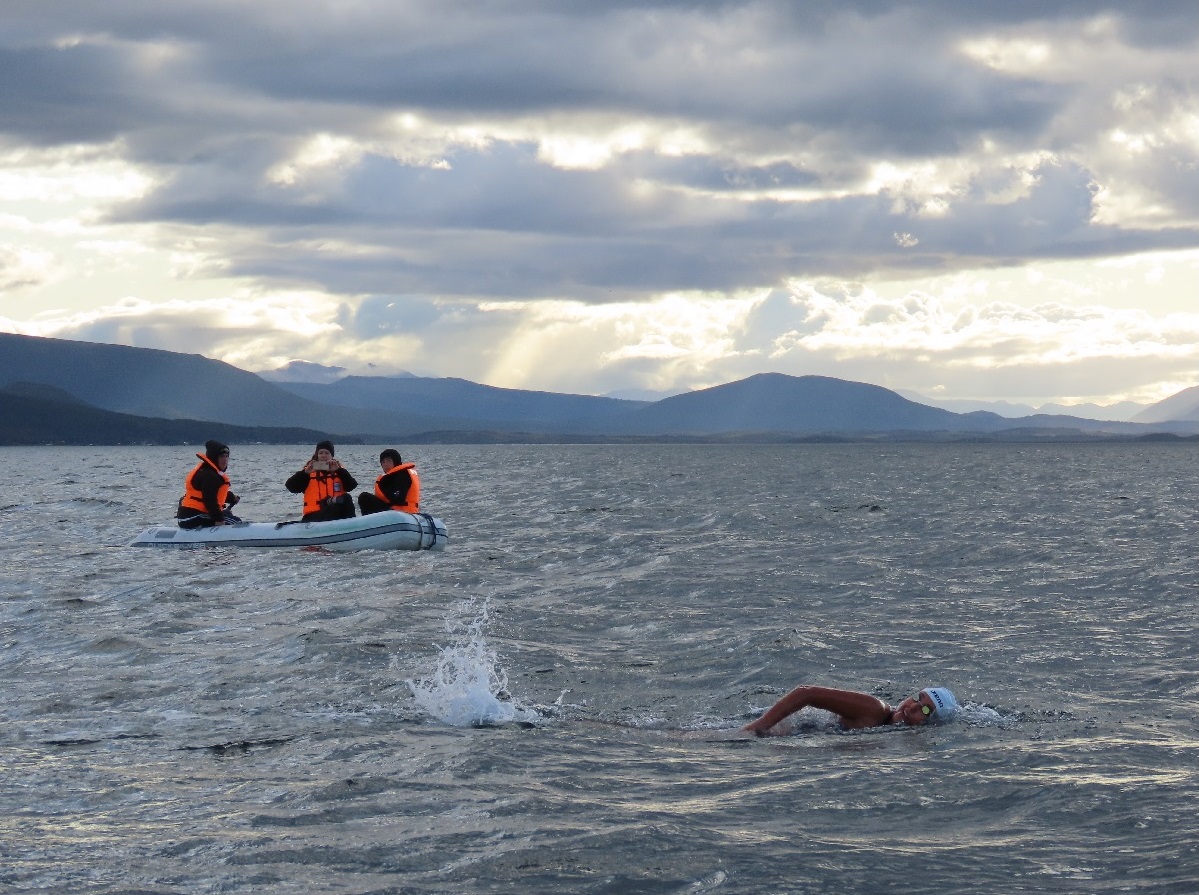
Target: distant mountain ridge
[(163, 385), (485, 406), (1181, 406), (39, 414), (777, 402), (1122, 411)]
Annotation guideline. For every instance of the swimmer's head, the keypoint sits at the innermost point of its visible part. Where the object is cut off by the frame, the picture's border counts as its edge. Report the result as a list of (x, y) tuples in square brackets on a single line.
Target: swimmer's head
[(945, 702)]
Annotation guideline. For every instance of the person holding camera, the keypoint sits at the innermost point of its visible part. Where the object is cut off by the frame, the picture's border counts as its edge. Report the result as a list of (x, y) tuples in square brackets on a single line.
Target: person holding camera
[(326, 486)]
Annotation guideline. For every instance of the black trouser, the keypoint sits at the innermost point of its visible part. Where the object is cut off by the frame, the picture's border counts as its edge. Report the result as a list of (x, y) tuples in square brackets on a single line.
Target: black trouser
[(332, 508), (370, 503), (203, 520)]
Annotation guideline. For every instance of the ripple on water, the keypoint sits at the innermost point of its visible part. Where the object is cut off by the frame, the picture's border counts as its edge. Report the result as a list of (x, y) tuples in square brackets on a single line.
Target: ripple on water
[(220, 720)]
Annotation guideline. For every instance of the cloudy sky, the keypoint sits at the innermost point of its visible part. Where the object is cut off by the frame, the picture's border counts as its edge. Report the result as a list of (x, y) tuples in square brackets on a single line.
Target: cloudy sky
[(967, 199)]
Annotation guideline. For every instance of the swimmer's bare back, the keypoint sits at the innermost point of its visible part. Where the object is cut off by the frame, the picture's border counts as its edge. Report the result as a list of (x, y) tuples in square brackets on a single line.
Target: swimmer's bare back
[(715, 735)]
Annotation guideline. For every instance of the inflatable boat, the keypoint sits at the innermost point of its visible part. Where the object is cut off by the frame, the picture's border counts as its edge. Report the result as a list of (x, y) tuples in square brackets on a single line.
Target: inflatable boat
[(389, 530)]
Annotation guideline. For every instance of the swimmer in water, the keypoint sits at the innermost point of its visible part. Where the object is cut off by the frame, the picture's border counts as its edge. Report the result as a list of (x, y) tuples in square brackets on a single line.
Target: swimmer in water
[(856, 710)]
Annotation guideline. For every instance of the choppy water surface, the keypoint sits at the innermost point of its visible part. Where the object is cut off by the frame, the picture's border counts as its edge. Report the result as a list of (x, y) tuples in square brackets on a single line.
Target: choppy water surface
[(192, 721)]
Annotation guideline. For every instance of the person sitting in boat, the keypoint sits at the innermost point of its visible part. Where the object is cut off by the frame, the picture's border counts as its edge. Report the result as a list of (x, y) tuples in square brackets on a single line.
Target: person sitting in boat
[(398, 488), (207, 499), (856, 710), (326, 486)]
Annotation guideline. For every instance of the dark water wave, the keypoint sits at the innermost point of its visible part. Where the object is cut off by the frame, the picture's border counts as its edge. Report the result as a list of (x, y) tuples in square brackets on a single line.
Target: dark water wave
[(300, 721)]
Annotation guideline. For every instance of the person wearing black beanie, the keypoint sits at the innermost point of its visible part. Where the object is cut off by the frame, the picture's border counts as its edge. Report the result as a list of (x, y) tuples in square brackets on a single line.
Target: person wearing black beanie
[(325, 484), (207, 500), (398, 488)]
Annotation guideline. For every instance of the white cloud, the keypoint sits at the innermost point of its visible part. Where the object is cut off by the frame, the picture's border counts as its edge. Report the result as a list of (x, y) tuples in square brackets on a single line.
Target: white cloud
[(22, 267), (68, 174), (1003, 340), (915, 340)]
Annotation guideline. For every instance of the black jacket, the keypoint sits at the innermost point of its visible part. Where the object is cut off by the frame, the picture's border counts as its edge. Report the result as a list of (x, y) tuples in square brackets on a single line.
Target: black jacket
[(395, 485), (298, 483)]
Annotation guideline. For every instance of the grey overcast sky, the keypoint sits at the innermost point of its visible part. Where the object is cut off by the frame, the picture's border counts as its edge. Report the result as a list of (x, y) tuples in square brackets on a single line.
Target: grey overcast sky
[(966, 199)]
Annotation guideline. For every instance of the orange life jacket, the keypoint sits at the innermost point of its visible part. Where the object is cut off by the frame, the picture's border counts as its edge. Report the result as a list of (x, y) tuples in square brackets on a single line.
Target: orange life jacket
[(192, 498), (412, 501), (321, 486)]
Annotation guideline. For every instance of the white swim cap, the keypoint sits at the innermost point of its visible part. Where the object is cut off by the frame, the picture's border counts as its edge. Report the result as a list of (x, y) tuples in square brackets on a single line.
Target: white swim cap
[(944, 701)]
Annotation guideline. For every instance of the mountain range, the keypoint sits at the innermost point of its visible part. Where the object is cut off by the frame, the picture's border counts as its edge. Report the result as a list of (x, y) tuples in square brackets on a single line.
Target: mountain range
[(60, 391), (1122, 410), (32, 414)]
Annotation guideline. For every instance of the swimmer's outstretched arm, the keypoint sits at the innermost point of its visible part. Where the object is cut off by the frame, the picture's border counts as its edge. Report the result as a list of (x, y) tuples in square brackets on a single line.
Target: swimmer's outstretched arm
[(854, 709)]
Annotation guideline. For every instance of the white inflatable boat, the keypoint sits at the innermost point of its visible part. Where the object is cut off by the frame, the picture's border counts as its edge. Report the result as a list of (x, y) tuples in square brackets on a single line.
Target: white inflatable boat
[(390, 530)]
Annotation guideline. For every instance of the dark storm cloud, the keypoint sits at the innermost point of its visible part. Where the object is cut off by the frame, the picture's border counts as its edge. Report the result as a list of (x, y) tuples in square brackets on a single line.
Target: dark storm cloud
[(872, 85), (71, 95), (892, 83), (778, 95), (717, 174), (515, 228), (504, 189)]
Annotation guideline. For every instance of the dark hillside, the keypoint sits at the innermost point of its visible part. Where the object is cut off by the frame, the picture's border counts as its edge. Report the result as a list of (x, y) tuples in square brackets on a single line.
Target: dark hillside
[(773, 402), (483, 405), (152, 383), (34, 420)]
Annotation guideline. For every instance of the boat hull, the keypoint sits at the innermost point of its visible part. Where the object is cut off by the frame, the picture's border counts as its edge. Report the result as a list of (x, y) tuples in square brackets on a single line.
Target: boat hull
[(390, 530)]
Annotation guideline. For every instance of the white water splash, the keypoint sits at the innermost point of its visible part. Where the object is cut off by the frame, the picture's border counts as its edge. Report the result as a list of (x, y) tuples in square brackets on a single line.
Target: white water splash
[(982, 716), (468, 687)]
